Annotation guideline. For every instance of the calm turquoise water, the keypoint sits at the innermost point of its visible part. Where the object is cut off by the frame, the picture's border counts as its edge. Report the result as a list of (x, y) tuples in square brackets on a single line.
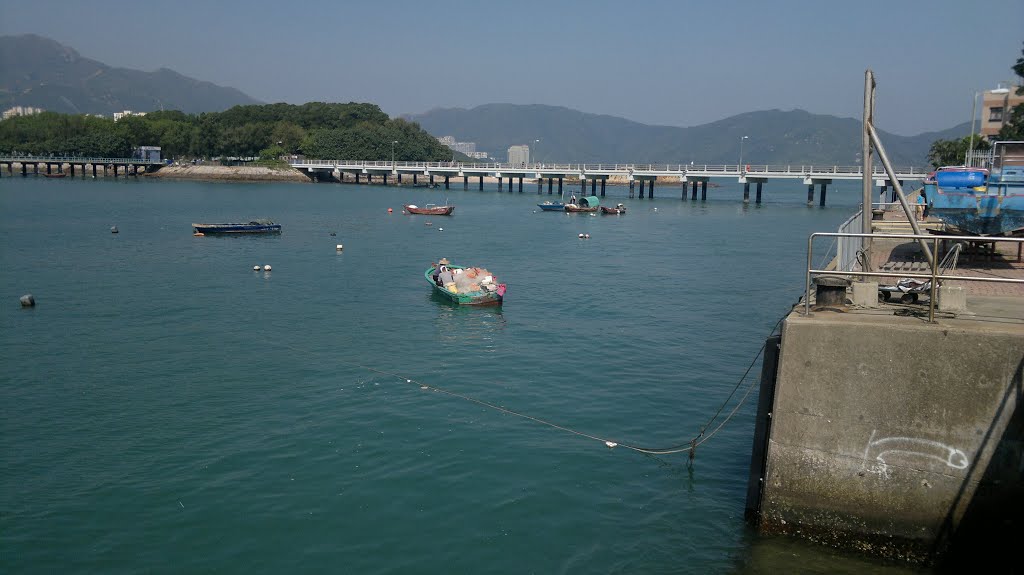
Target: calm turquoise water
[(164, 408)]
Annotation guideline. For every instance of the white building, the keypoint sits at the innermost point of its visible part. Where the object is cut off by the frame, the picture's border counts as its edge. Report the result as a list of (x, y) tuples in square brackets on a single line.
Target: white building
[(126, 113), (519, 155), (447, 141), (21, 111)]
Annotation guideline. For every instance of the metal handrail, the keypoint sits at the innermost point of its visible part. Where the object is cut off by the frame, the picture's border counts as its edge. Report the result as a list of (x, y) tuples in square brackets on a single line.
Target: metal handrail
[(934, 276), (76, 160)]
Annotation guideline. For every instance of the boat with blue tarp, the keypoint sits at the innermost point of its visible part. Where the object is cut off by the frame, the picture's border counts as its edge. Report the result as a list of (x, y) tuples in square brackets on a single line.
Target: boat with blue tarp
[(252, 227), (981, 201)]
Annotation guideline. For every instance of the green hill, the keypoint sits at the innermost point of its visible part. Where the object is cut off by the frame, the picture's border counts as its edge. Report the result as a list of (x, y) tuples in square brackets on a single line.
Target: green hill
[(39, 72), (775, 137)]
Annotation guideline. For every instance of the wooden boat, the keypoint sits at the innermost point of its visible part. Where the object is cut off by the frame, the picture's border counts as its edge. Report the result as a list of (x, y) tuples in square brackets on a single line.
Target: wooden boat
[(253, 227), (552, 206), (587, 204), (430, 209), (618, 209), (57, 175), (486, 291)]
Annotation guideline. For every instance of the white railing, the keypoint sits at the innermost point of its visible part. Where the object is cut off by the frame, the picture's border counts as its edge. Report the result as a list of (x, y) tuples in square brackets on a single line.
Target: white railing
[(74, 160)]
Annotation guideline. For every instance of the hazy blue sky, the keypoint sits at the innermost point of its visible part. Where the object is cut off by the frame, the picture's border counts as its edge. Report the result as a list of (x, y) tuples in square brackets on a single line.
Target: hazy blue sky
[(658, 62)]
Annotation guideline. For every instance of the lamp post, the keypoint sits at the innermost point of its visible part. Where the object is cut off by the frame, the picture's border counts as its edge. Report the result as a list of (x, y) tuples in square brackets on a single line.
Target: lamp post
[(974, 113), (393, 155), (537, 141), (741, 154)]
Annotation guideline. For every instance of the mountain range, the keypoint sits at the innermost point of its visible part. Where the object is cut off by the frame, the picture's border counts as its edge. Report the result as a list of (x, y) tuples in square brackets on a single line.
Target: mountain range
[(40, 72), (557, 134)]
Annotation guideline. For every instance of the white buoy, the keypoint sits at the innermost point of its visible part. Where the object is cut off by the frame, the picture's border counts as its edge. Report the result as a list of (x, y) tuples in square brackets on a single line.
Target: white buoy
[(580, 236), (339, 247), (440, 229), (586, 236), (255, 268), (266, 268)]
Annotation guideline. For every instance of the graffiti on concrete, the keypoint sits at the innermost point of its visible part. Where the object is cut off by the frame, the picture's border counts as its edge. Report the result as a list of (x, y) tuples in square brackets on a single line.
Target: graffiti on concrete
[(880, 453)]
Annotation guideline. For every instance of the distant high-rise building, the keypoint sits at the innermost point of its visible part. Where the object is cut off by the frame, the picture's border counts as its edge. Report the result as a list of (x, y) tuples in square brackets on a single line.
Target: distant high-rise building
[(519, 155), (468, 148), (126, 113), (447, 141)]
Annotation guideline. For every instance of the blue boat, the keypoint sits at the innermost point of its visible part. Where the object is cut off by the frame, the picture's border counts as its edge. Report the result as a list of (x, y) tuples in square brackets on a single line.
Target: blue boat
[(979, 201), (552, 206), (253, 227)]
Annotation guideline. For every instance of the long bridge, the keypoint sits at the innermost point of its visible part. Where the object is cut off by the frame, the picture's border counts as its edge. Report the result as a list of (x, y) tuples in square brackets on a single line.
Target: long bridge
[(692, 175), (131, 166)]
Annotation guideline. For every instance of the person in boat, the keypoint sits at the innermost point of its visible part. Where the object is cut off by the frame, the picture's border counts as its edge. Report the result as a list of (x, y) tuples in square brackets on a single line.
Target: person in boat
[(572, 199)]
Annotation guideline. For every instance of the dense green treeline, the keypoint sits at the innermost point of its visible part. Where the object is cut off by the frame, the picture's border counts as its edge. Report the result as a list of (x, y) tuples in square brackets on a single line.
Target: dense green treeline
[(315, 130)]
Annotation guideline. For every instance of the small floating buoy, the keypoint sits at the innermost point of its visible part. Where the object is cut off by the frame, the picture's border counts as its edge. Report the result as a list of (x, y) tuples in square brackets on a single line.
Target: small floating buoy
[(113, 229), (266, 268), (255, 268), (580, 236), (428, 223), (333, 234), (440, 229), (586, 236), (339, 247), (655, 209), (389, 210), (27, 300)]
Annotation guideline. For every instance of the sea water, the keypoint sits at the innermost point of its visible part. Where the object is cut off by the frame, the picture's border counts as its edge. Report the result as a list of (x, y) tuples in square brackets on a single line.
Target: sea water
[(165, 408)]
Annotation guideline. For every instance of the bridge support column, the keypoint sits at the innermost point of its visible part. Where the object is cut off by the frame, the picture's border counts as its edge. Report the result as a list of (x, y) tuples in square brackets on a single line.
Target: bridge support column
[(385, 179), (24, 169), (693, 193), (35, 168), (49, 166), (632, 183), (357, 177), (481, 183), (398, 179), (94, 170), (641, 189), (650, 192), (72, 166), (115, 169), (810, 194), (583, 186), (550, 181), (602, 187), (746, 192), (703, 191), (446, 182), (369, 179), (414, 178), (465, 182), (759, 184), (510, 184), (593, 187), (821, 200), (540, 186), (431, 180), (500, 183), (559, 187), (520, 184)]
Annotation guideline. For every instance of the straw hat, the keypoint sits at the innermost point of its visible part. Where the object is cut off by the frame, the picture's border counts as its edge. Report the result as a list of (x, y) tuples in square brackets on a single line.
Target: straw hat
[(444, 262)]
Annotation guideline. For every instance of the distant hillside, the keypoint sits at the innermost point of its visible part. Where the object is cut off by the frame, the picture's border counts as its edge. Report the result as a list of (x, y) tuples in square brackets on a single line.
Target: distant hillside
[(775, 137), (39, 72)]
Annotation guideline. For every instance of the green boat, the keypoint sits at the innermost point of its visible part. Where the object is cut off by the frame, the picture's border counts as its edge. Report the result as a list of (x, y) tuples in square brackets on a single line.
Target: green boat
[(479, 287)]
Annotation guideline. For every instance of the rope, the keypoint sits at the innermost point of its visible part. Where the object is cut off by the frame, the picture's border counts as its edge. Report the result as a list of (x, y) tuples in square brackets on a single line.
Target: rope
[(689, 446)]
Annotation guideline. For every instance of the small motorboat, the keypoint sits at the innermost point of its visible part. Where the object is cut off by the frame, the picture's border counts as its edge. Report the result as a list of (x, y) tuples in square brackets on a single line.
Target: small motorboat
[(430, 209), (618, 209), (253, 227), (464, 285), (552, 206)]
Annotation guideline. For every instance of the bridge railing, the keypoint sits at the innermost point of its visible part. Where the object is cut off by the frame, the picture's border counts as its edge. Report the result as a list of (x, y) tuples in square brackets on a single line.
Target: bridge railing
[(75, 160), (724, 169)]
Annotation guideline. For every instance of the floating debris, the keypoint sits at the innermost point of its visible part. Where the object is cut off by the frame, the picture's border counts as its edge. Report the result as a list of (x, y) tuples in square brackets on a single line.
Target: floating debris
[(339, 247), (28, 300), (113, 229)]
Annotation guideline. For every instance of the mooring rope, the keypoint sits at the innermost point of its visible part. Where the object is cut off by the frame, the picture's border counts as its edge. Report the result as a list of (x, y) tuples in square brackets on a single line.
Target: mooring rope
[(690, 446)]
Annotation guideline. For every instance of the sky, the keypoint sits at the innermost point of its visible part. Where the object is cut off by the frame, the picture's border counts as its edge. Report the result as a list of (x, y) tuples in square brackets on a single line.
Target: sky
[(663, 62)]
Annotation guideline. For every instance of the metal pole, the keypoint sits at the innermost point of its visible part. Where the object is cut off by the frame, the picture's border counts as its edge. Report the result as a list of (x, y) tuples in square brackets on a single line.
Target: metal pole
[(865, 155), (898, 188)]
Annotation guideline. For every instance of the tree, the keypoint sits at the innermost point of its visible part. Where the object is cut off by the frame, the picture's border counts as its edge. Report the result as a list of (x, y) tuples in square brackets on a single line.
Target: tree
[(1014, 127), (953, 152)]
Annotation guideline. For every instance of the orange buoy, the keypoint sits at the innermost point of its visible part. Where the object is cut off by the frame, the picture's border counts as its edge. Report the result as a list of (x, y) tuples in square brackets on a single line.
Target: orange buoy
[(389, 210)]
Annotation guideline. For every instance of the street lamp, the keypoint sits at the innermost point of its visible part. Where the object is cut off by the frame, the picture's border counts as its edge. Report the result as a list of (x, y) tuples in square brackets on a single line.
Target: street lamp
[(393, 155), (537, 141), (741, 152)]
